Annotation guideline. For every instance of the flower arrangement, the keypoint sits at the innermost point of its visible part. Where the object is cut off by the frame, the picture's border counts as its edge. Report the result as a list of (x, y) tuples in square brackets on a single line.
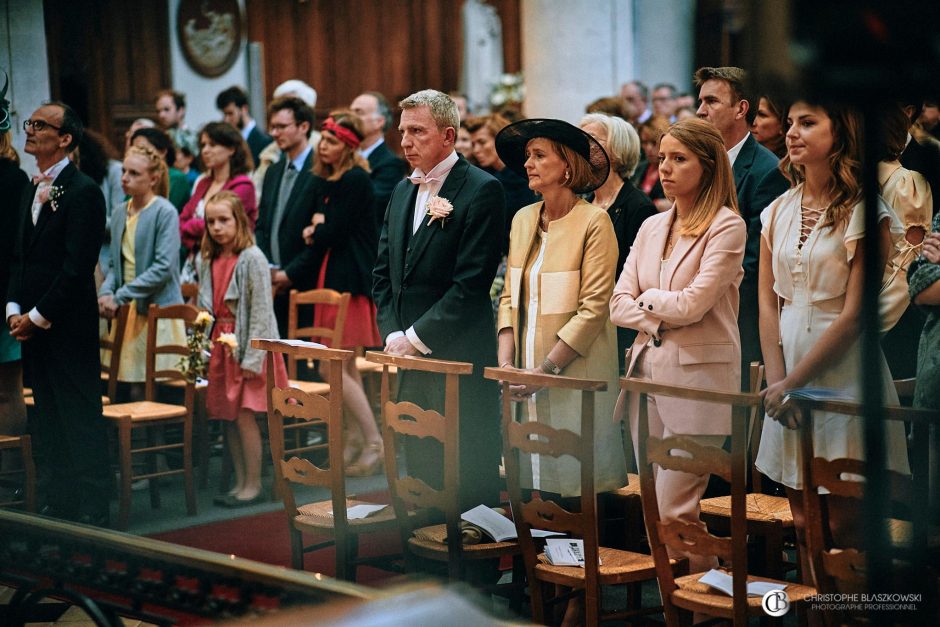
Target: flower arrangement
[(439, 209), (194, 365), (509, 90), (51, 193)]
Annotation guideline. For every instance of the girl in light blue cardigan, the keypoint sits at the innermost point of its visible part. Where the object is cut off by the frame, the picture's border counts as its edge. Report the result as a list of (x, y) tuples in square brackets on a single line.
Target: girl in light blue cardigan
[(144, 267)]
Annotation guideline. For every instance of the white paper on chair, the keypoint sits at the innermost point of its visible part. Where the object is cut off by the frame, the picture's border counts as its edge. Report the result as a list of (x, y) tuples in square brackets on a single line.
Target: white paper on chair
[(723, 582), (302, 343), (819, 394), (498, 526), (363, 510)]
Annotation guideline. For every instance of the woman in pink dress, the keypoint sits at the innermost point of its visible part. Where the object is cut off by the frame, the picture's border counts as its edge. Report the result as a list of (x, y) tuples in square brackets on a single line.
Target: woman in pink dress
[(235, 287), (227, 162)]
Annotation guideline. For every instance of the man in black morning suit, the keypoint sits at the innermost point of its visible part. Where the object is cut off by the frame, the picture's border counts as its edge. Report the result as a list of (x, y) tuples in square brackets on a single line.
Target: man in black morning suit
[(287, 204), (726, 103), (52, 309), (233, 103), (431, 288), (385, 168)]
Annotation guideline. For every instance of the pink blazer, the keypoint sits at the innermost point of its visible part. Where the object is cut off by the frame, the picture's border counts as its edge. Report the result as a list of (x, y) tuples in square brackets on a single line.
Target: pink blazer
[(686, 316)]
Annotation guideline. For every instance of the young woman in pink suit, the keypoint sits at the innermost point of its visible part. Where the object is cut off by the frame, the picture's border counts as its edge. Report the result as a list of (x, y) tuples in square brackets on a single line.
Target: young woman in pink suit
[(235, 286), (679, 290), (813, 242)]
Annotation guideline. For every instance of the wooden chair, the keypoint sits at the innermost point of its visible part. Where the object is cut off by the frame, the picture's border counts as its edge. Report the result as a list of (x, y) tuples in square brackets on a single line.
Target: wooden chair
[(616, 567), (683, 454), (190, 293), (109, 365), (414, 500), (913, 543), (149, 414), (313, 333), (27, 495), (291, 409), (769, 518)]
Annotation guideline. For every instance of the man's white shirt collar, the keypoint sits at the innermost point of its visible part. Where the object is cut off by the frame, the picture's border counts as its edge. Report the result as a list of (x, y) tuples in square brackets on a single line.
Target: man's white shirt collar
[(248, 128), (733, 153)]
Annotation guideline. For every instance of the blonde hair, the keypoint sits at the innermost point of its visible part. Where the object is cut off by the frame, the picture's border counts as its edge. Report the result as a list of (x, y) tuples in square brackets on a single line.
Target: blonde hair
[(7, 151), (243, 236), (716, 189), (845, 163), (350, 157), (157, 165)]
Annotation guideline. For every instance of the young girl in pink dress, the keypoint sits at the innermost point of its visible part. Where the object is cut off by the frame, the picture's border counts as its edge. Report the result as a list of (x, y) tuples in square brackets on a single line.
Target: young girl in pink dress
[(235, 286)]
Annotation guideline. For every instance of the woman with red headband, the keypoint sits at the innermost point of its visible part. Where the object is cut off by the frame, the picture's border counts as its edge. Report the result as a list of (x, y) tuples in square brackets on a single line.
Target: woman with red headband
[(344, 233)]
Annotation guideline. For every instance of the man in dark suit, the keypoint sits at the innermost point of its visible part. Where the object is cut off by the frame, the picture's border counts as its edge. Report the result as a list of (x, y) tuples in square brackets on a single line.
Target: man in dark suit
[(52, 309), (386, 169), (233, 103), (725, 102), (431, 287), (287, 204)]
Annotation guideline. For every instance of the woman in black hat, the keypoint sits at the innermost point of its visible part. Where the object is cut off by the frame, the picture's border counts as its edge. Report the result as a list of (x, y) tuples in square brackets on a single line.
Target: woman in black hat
[(553, 313)]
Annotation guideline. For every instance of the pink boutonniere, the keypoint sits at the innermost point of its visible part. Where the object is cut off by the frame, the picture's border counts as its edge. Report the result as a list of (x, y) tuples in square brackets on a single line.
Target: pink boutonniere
[(51, 194), (439, 209)]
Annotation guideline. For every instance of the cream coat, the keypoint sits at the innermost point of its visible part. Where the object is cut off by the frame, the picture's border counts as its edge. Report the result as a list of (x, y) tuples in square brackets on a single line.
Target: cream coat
[(575, 284), (686, 316)]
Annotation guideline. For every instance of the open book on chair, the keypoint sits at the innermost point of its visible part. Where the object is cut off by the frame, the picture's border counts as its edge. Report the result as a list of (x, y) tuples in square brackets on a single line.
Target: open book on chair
[(722, 581), (498, 526), (819, 394)]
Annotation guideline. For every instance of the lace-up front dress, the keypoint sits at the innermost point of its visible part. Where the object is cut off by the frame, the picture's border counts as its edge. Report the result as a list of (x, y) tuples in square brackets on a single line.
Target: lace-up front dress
[(811, 271)]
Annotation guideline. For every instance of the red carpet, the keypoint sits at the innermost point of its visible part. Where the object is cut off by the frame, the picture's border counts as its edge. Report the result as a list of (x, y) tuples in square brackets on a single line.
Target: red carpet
[(265, 538)]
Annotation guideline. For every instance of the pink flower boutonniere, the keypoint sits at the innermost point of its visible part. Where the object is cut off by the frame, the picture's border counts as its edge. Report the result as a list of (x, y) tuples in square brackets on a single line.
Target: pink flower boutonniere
[(51, 194), (439, 209)]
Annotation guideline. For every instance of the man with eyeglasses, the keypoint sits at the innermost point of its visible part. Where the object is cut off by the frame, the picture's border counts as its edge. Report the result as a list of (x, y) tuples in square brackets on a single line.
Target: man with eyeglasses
[(287, 203), (52, 310), (385, 168)]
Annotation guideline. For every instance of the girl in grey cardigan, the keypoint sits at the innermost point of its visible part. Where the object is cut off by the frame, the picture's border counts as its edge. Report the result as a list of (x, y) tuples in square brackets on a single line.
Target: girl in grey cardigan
[(235, 286), (144, 267)]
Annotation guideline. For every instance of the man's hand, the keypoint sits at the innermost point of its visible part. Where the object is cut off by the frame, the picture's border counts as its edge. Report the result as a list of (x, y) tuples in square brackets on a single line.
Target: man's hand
[(22, 328), (281, 282), (402, 346)]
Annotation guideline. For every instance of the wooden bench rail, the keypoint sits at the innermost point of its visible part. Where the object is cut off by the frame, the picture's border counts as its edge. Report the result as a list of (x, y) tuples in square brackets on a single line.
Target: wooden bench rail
[(521, 377), (406, 362), (302, 352), (127, 573), (644, 386)]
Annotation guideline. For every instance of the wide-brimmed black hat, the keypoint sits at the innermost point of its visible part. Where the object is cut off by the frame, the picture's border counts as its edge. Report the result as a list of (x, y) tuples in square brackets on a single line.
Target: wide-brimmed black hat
[(512, 140)]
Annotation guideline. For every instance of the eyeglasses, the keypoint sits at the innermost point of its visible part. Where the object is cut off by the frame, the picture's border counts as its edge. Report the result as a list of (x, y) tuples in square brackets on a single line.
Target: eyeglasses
[(39, 125), (280, 127)]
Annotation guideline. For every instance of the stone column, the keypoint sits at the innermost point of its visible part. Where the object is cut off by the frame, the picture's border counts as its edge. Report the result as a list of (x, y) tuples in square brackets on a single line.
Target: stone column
[(575, 51)]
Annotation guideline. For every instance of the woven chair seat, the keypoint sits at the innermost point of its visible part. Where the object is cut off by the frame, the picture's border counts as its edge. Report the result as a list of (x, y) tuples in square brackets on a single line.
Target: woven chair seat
[(693, 594), (310, 387), (431, 543), (143, 411), (631, 489), (319, 515), (902, 531), (616, 567), (760, 507)]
